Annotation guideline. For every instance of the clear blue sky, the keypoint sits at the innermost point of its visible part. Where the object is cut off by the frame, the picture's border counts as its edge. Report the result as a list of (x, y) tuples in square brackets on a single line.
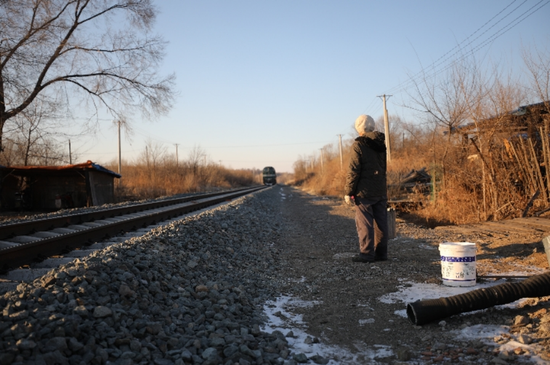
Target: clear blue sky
[(267, 82)]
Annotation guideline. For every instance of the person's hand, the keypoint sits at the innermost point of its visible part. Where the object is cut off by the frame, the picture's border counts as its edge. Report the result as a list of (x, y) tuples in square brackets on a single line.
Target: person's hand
[(347, 198)]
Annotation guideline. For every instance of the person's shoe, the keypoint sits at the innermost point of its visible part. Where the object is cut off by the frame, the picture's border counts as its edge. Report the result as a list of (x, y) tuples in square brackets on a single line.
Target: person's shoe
[(376, 258), (359, 258)]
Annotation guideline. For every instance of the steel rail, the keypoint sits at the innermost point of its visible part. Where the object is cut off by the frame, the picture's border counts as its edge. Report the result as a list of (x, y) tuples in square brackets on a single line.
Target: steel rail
[(24, 254), (46, 224)]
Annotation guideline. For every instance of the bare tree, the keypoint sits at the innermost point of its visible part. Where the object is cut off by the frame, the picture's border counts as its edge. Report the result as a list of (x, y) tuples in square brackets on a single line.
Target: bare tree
[(196, 156), (153, 154), (538, 66), (34, 135), (98, 53), (408, 134), (443, 100)]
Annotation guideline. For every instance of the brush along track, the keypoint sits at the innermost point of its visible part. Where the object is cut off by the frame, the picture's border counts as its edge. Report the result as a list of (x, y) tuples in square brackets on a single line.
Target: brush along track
[(31, 241)]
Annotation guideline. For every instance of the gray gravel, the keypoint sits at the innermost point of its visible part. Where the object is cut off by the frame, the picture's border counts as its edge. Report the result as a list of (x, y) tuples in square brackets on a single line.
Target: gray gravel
[(189, 292)]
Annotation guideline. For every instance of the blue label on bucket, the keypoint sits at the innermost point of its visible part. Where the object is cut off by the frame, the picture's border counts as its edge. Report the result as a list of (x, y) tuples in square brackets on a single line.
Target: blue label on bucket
[(447, 279), (459, 281), (458, 259)]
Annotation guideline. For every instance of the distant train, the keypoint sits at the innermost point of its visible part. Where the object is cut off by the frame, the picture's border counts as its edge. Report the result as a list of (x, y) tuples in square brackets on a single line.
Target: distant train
[(269, 176)]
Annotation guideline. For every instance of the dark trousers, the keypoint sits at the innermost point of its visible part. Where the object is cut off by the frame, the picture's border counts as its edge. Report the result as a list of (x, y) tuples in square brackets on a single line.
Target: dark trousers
[(371, 219)]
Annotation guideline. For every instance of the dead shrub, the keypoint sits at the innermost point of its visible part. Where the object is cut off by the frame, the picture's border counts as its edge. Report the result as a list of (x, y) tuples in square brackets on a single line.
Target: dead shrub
[(166, 179)]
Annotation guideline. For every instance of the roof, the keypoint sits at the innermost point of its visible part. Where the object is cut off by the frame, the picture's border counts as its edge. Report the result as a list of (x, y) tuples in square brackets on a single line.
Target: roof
[(520, 112), (88, 165)]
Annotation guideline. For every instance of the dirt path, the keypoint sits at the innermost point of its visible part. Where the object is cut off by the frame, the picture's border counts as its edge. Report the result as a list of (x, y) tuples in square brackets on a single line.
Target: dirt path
[(319, 241)]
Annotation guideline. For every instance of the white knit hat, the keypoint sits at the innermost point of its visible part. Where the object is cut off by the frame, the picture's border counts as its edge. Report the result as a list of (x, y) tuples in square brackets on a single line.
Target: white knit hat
[(364, 124)]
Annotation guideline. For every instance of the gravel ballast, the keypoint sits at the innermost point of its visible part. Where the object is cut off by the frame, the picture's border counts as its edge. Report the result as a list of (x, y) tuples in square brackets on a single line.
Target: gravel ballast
[(193, 292), (189, 292)]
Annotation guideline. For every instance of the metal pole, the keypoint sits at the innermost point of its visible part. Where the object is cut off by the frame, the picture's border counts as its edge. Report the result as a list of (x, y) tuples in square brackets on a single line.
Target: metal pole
[(70, 154), (386, 127), (119, 151)]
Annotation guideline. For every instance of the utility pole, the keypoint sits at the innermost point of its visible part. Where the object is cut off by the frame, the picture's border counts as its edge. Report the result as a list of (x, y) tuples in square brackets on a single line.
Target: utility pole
[(70, 154), (340, 148), (119, 151), (177, 160), (386, 127)]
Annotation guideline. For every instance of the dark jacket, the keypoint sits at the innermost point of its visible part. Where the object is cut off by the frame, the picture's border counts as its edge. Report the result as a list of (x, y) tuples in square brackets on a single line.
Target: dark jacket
[(366, 176)]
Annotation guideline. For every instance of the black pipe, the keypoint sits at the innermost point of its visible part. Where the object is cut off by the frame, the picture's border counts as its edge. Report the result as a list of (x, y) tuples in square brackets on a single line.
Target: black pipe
[(422, 312)]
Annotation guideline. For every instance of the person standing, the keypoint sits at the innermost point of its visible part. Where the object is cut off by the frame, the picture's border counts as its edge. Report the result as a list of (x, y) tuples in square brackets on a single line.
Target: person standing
[(366, 188)]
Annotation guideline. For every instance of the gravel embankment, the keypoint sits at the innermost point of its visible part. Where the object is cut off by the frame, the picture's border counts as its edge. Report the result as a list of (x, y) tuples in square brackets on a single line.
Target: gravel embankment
[(190, 292)]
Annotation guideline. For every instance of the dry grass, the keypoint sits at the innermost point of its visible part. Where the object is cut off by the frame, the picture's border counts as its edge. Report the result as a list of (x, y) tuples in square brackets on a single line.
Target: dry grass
[(143, 182), (469, 184)]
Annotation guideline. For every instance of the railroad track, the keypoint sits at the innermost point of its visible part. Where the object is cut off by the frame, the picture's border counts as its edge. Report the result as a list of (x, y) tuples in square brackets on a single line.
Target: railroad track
[(33, 241)]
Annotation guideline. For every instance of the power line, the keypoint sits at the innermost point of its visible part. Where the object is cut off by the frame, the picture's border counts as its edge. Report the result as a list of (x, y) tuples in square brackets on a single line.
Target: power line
[(373, 103), (496, 35), (444, 57), (510, 25)]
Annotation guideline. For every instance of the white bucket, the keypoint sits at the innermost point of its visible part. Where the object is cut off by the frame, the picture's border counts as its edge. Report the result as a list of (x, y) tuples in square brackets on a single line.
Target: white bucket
[(458, 263)]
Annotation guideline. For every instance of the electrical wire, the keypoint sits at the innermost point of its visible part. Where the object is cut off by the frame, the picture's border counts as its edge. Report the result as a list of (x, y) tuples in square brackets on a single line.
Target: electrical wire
[(488, 41), (448, 60), (458, 48), (372, 105)]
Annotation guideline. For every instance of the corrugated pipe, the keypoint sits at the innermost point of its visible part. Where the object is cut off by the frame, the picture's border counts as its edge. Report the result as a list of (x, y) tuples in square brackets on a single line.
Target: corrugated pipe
[(422, 312)]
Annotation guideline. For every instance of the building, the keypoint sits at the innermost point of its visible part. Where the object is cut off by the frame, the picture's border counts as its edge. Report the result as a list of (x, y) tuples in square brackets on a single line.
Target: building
[(524, 121), (49, 188)]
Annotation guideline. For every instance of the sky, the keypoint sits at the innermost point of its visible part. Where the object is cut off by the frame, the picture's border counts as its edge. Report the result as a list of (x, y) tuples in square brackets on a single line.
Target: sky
[(267, 83)]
